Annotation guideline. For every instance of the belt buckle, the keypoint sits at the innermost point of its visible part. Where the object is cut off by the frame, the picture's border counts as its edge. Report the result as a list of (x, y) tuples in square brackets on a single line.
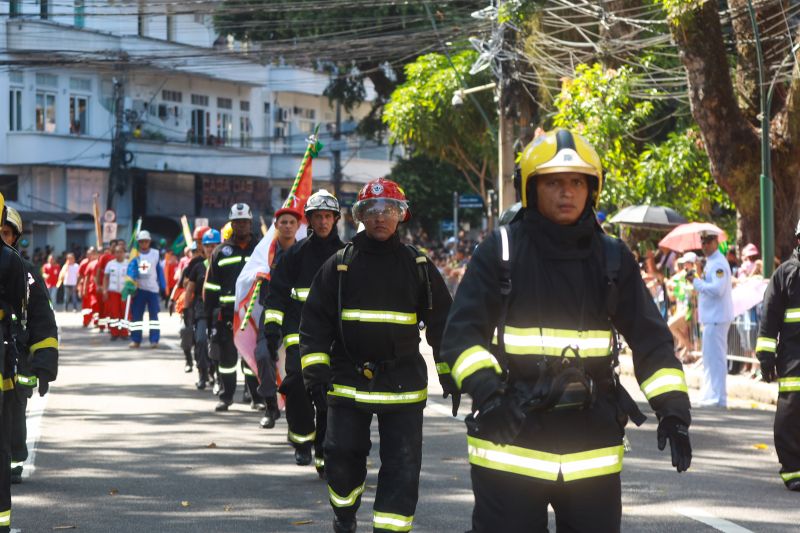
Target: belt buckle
[(368, 370)]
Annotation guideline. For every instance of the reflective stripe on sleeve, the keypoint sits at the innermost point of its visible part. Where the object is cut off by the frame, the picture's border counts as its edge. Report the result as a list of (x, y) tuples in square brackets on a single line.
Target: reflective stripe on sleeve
[(229, 261), (387, 317), (545, 465), (300, 294), (316, 358), (6, 383), (664, 380), (472, 360), (792, 315), (291, 339), (273, 315), (442, 368), (766, 344), (789, 384), (49, 342), (5, 518), (227, 299), (379, 397), (27, 381), (345, 501), (550, 341), (391, 521), (212, 286)]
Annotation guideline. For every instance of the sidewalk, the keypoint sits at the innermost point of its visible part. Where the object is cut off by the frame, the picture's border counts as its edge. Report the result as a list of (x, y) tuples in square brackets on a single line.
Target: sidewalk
[(739, 386)]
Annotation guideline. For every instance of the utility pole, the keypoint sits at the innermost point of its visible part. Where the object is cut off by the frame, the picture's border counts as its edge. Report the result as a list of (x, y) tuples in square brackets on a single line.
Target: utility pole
[(337, 151), (118, 167)]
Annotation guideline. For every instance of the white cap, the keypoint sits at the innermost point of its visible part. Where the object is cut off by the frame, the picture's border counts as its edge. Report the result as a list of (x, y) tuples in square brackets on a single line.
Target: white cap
[(144, 235), (688, 257), (240, 212)]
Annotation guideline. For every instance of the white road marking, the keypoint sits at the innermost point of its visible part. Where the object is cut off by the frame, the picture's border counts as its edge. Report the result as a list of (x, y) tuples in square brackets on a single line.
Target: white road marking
[(36, 406), (708, 519)]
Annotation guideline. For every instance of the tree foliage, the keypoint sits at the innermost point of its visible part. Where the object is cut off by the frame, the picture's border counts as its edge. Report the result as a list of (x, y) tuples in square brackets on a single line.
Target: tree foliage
[(672, 171), (422, 117)]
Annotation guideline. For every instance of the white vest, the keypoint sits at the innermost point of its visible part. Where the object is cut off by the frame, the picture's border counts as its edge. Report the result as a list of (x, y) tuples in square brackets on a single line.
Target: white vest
[(148, 276)]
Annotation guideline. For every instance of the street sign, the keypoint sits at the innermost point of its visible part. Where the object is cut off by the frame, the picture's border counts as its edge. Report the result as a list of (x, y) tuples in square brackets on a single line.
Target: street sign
[(470, 201), (447, 226), (347, 199), (109, 231), (109, 216), (198, 222)]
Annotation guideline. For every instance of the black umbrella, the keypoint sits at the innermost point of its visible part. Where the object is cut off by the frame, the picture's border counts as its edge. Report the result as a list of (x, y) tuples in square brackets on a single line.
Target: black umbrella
[(648, 217)]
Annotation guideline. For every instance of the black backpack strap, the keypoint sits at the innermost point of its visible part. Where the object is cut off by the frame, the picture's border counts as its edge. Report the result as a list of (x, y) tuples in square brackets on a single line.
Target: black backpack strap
[(344, 257), (421, 262), (504, 279)]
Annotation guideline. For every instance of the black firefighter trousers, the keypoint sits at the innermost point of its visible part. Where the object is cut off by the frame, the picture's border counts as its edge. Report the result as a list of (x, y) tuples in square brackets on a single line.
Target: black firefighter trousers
[(8, 400), (347, 445), (305, 426), (514, 503), (787, 435), (224, 351)]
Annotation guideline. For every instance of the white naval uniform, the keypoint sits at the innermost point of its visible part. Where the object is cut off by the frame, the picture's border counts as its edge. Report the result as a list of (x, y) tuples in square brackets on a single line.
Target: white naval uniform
[(715, 312)]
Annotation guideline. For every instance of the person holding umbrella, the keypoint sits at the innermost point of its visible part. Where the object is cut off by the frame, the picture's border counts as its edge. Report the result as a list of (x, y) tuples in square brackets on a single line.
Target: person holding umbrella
[(715, 306)]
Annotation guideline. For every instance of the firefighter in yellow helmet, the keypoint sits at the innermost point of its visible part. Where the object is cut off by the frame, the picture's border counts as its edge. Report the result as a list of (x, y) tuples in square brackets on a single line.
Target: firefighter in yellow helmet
[(532, 338)]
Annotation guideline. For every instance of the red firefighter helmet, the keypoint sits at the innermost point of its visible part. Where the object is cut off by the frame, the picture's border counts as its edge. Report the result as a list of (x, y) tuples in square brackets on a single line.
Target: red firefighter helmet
[(199, 231), (378, 193)]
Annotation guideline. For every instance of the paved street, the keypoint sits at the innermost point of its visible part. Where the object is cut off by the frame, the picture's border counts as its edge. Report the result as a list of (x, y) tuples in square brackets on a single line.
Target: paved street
[(125, 443)]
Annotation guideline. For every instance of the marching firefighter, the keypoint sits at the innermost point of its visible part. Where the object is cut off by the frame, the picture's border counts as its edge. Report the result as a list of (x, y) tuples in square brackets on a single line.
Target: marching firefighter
[(359, 347), (287, 220), (13, 308), (778, 351), (193, 299), (290, 282), (531, 337), (38, 361), (146, 272), (187, 332), (219, 295)]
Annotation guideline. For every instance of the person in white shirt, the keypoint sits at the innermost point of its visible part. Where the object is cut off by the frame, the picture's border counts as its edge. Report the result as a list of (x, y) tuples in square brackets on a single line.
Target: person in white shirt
[(113, 281), (69, 278)]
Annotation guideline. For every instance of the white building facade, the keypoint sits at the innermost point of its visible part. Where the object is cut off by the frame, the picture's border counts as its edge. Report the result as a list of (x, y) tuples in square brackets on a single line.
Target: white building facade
[(200, 126)]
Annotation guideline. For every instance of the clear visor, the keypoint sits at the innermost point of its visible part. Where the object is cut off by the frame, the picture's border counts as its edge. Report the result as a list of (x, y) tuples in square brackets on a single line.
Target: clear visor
[(380, 207)]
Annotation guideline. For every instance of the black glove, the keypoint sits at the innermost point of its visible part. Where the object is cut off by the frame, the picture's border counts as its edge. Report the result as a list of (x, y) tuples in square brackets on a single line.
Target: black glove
[(449, 388), (767, 361), (319, 395), (500, 419), (44, 386), (677, 432)]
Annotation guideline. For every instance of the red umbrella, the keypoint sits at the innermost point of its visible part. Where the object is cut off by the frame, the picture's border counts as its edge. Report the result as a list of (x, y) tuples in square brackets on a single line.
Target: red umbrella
[(687, 236)]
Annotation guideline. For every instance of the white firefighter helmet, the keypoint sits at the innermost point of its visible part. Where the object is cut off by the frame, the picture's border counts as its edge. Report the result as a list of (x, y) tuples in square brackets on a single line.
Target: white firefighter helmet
[(322, 200), (144, 235), (240, 212)]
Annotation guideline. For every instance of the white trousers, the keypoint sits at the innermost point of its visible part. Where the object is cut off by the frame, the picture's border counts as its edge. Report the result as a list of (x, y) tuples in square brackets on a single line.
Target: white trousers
[(715, 366)]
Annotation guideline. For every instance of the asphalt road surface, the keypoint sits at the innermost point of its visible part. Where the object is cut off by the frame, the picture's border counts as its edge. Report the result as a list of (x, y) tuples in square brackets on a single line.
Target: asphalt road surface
[(124, 442)]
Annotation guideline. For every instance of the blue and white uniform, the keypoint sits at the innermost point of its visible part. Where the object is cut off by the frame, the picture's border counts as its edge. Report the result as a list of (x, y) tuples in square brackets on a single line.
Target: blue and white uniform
[(146, 270)]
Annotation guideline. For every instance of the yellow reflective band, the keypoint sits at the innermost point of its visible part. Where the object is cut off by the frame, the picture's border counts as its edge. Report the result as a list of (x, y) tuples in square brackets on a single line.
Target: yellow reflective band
[(300, 439), (300, 294), (792, 315), (379, 397), (6, 383), (345, 501), (790, 384), (226, 370), (273, 315), (5, 518), (472, 360), (247, 372), (387, 317), (664, 380), (442, 368), (291, 340), (49, 342), (788, 476), (212, 286), (227, 299), (229, 261), (319, 462), (341, 268), (27, 381), (766, 344), (545, 465), (2, 314), (17, 464), (391, 521), (316, 358), (550, 341)]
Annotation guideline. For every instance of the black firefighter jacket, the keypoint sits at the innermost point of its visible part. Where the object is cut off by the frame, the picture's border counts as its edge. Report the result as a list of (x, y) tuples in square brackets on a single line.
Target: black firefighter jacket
[(40, 360), (558, 298), (383, 302), (290, 283), (225, 265), (779, 333)]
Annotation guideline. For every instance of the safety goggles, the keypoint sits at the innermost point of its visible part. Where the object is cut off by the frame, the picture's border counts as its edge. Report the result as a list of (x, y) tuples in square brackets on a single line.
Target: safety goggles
[(380, 208)]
